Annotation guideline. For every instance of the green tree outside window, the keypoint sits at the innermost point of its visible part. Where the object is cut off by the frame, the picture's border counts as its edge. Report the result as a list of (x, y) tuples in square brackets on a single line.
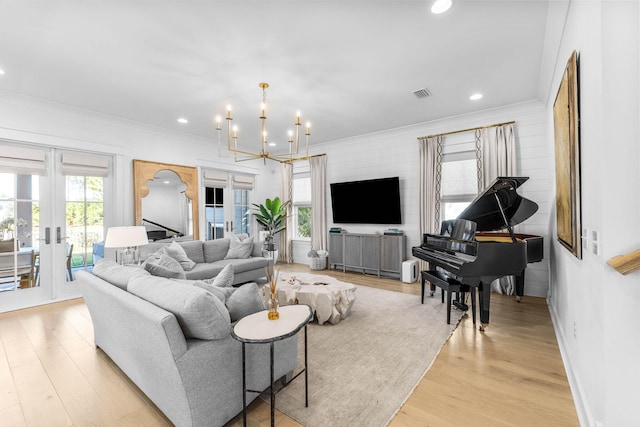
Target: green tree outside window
[(304, 221)]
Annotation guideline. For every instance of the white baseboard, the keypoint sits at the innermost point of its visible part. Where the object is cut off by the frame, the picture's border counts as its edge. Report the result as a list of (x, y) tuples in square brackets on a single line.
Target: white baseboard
[(585, 417)]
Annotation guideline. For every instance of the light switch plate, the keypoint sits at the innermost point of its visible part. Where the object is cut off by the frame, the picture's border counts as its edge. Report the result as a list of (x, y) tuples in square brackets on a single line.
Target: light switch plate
[(595, 242)]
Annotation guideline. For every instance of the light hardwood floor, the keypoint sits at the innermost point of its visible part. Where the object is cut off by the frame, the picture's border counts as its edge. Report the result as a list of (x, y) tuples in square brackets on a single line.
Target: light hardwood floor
[(51, 374)]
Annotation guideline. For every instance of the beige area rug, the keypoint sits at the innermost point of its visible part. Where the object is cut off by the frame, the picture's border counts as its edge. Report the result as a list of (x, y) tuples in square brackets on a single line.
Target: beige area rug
[(363, 369)]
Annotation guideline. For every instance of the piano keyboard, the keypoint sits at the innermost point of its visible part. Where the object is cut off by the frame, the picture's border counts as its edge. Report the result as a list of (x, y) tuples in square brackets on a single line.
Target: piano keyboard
[(455, 260)]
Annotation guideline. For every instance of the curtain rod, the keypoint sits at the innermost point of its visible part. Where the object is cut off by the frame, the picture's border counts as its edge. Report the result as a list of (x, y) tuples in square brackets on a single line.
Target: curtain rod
[(467, 130)]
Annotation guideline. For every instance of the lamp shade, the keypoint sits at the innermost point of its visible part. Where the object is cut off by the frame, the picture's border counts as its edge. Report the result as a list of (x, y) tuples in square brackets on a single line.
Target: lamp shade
[(125, 237)]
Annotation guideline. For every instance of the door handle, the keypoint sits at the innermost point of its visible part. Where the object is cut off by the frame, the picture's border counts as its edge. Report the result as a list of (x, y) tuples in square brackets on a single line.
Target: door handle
[(58, 235), (47, 235)]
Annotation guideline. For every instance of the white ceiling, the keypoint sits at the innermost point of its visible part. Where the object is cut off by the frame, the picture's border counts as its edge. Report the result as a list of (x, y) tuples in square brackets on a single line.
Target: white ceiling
[(349, 66)]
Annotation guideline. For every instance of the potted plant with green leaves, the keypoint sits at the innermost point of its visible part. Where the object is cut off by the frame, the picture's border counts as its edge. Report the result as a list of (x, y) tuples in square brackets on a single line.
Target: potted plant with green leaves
[(272, 216)]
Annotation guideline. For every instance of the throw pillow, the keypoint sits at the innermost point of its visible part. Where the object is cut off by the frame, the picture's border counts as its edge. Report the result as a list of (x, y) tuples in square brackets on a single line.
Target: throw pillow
[(222, 294), (244, 301), (200, 314), (224, 279), (239, 249), (164, 266), (175, 251)]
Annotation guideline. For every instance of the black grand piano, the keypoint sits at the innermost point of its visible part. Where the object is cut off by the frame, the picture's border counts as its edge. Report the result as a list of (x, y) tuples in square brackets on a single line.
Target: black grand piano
[(469, 251)]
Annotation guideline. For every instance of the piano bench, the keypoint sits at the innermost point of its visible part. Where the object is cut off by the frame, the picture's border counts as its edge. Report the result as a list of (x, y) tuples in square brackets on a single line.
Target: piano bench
[(448, 285)]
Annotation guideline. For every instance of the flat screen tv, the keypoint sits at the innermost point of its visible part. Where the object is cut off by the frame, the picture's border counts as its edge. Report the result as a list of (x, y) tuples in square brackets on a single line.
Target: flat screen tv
[(374, 201)]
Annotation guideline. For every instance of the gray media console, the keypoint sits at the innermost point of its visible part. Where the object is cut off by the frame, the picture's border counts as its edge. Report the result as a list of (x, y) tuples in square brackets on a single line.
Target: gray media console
[(370, 253)]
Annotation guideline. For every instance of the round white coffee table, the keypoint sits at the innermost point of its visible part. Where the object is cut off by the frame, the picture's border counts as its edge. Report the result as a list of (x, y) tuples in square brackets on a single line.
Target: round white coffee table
[(330, 299), (256, 328)]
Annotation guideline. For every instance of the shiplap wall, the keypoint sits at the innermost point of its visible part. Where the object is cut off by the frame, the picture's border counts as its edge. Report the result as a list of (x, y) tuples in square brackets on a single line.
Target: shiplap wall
[(395, 153), (389, 153)]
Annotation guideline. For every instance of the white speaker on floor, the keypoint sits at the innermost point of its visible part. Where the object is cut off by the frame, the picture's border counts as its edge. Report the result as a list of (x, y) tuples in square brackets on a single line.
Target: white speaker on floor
[(410, 271)]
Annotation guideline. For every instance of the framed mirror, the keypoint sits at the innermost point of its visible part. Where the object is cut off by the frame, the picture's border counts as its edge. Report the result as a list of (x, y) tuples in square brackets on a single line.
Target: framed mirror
[(166, 199)]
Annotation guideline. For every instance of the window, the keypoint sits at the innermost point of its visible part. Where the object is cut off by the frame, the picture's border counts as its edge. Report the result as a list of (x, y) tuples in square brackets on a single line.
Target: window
[(459, 184), (301, 205)]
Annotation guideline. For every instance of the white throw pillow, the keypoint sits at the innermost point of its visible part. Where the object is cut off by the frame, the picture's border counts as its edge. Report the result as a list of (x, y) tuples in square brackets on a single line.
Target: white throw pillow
[(224, 279), (175, 251), (244, 301), (200, 314), (222, 294), (164, 266), (239, 249)]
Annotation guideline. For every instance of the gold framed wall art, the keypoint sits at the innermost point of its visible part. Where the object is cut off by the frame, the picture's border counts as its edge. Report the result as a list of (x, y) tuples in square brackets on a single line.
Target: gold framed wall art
[(566, 125)]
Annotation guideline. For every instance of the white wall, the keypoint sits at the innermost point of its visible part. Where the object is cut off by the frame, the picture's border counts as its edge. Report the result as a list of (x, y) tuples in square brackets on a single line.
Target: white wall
[(32, 121), (395, 153), (594, 308)]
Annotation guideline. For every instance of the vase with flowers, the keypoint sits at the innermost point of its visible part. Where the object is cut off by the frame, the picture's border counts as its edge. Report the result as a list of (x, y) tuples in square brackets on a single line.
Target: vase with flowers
[(272, 280)]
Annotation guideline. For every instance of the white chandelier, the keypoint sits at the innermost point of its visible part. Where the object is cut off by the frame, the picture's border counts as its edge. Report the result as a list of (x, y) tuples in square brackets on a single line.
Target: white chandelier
[(243, 155)]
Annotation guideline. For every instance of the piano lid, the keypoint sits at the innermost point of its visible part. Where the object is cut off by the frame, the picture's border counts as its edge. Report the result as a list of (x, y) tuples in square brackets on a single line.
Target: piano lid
[(485, 209)]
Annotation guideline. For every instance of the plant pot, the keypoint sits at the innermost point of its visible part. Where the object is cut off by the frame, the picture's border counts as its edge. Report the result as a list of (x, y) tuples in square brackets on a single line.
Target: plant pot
[(273, 255)]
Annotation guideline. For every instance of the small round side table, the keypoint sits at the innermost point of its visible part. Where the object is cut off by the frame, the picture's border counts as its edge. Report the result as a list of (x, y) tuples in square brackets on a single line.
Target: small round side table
[(256, 328)]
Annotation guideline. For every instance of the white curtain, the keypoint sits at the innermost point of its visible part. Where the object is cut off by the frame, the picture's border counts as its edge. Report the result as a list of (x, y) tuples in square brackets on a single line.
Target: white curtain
[(496, 157), (430, 178), (497, 153), (318, 166), (286, 236)]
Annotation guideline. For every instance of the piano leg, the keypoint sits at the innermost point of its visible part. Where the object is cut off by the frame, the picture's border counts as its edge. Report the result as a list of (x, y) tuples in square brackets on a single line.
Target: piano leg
[(462, 305), (519, 286), (432, 287), (485, 300)]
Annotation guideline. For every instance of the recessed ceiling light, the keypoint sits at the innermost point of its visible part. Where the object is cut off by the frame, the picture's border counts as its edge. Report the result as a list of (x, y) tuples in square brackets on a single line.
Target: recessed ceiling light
[(166, 182), (1, 72), (441, 6), (272, 144), (475, 96), (183, 120)]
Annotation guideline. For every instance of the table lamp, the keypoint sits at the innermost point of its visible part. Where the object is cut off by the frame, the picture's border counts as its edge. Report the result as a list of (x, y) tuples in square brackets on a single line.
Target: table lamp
[(128, 237)]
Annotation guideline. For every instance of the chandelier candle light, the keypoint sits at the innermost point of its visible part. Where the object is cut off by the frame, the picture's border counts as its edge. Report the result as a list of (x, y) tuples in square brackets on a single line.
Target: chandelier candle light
[(294, 152)]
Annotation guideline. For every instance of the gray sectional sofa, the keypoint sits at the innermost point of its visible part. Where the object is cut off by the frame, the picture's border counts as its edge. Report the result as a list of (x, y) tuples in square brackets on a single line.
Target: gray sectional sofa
[(194, 381), (209, 257)]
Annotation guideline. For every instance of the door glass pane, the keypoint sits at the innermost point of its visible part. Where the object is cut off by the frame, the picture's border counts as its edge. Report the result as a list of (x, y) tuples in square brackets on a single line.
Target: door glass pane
[(85, 221), (19, 223), (214, 213), (241, 212)]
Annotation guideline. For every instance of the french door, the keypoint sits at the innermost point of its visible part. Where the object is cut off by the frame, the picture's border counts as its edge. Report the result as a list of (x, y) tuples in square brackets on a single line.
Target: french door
[(51, 213), (227, 204)]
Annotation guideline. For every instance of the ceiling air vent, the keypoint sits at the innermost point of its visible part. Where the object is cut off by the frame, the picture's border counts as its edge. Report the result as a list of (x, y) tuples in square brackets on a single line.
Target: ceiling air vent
[(421, 93)]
